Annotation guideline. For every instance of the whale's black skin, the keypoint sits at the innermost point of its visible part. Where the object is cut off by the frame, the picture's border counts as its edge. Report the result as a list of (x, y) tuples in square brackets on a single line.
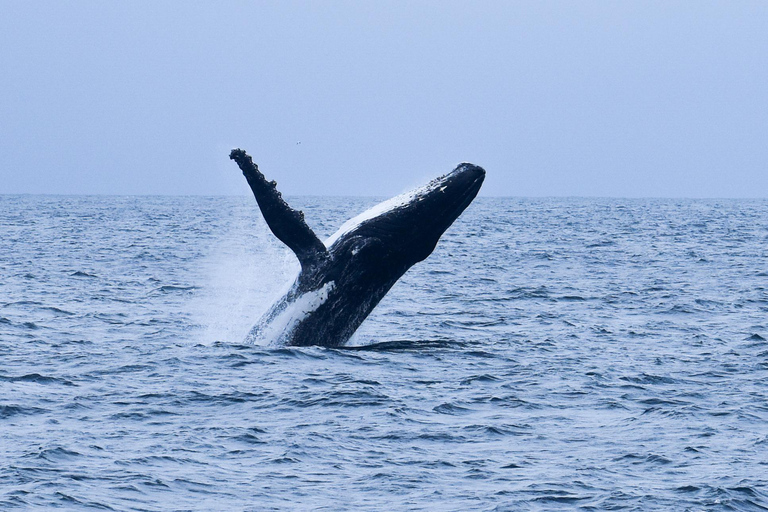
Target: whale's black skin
[(339, 285)]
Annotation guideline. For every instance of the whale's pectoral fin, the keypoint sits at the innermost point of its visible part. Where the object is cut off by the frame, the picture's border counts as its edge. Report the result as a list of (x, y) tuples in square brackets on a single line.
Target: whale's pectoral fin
[(287, 224)]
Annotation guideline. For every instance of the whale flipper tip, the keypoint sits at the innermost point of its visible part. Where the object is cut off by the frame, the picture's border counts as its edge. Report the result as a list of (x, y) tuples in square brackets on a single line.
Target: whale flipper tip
[(237, 154)]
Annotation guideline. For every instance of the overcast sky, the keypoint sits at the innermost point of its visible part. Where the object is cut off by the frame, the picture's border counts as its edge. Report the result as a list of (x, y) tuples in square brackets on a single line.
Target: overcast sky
[(624, 99)]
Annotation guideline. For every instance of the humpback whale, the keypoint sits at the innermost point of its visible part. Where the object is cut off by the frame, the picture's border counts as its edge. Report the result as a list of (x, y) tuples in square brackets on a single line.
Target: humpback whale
[(344, 278)]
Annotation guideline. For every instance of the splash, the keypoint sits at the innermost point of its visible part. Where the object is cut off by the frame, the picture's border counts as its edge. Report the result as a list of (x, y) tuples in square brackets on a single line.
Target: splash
[(242, 276)]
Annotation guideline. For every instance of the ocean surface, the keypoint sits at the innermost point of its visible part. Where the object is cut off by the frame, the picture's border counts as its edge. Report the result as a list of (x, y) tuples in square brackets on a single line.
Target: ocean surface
[(551, 354)]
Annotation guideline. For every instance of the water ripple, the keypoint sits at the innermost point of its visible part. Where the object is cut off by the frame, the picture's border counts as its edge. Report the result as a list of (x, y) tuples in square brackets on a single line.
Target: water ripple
[(552, 354)]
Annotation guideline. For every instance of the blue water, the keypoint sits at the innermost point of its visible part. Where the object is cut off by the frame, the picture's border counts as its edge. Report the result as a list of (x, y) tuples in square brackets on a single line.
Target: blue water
[(552, 354)]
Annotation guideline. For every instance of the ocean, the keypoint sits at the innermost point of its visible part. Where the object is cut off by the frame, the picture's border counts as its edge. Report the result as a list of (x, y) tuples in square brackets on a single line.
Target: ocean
[(551, 354)]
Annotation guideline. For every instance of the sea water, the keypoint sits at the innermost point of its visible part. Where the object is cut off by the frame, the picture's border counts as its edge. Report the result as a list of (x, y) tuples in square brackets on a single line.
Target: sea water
[(551, 354)]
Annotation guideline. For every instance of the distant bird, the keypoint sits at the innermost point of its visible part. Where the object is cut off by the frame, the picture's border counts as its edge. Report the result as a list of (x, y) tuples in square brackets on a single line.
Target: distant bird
[(298, 143)]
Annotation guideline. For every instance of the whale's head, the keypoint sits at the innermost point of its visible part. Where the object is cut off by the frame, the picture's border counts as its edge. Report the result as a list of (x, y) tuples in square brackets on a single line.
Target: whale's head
[(407, 228)]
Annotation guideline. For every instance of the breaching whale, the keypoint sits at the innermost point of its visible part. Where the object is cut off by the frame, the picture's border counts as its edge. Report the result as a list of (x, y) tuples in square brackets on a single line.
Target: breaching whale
[(343, 279)]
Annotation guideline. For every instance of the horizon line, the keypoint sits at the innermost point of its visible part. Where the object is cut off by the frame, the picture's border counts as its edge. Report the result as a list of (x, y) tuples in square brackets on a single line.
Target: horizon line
[(371, 196)]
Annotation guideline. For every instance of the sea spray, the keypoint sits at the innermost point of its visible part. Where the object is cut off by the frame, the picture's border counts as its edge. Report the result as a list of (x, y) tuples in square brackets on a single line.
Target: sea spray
[(243, 274)]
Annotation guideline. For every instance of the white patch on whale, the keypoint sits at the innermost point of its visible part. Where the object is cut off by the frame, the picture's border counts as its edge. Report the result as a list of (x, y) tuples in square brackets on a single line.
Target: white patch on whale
[(274, 331), (383, 207)]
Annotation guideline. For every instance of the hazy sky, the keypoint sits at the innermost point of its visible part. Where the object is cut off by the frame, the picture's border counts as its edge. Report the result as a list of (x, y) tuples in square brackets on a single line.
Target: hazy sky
[(560, 98)]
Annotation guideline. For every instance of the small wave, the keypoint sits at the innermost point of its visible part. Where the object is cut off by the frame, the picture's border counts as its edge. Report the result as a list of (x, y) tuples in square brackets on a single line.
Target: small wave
[(608, 403), (155, 395), (659, 401), (441, 437), (479, 378), (223, 398), (57, 310), (649, 379), (448, 408), (6, 411), (38, 379), (528, 293), (565, 498), (473, 325), (248, 439), (113, 319), (80, 273), (340, 398), (23, 303), (483, 354), (77, 342), (501, 430), (301, 352), (285, 460), (601, 243), (640, 459), (56, 454), (152, 459), (138, 416), (511, 402), (169, 288), (14, 500), (708, 303), (129, 368), (70, 500), (658, 459), (743, 489)]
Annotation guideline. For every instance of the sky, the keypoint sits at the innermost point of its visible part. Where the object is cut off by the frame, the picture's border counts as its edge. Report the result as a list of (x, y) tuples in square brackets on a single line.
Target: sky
[(553, 98)]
